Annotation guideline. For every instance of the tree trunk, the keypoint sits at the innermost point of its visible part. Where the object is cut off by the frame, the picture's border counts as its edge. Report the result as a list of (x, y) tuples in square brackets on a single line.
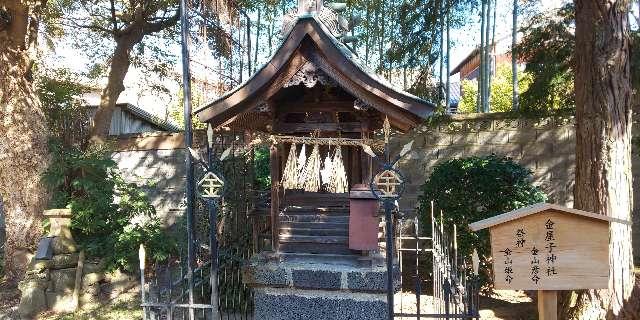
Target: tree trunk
[(483, 21), (23, 136), (240, 55), (487, 60), (447, 99), (492, 52), (603, 146), (367, 31), (258, 28), (441, 52), (120, 63)]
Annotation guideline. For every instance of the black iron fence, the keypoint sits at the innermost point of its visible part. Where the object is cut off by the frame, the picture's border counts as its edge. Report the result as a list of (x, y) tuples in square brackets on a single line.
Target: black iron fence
[(436, 283), (223, 238)]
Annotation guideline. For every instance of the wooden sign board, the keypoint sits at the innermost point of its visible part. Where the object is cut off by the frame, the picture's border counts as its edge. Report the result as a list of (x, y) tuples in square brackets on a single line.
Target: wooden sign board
[(549, 247)]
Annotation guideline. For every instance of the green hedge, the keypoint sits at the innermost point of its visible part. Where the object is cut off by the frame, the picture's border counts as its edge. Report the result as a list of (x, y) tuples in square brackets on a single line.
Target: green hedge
[(476, 188)]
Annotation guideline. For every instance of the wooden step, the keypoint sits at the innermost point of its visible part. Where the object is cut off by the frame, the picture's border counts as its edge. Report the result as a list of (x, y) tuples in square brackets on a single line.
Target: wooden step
[(314, 232), (314, 239), (314, 218), (294, 210), (315, 198), (314, 225), (315, 248)]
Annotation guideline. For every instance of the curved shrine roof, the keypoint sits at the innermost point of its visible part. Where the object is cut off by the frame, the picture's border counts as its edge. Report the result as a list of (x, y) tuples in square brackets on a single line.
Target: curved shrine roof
[(310, 41)]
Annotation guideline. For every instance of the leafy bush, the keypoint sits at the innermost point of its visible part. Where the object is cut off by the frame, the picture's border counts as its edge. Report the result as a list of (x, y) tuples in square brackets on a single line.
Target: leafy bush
[(548, 46), (111, 217), (476, 188), (261, 166)]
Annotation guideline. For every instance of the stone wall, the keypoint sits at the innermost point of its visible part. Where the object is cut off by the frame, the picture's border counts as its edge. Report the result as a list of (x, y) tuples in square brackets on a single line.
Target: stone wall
[(60, 279), (545, 145), (156, 160)]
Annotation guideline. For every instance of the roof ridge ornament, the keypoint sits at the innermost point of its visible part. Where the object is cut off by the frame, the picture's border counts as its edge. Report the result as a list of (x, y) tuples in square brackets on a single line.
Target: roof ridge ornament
[(328, 14), (309, 6)]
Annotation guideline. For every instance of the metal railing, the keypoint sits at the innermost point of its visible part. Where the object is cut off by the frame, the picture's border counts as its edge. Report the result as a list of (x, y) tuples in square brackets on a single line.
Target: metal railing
[(432, 256)]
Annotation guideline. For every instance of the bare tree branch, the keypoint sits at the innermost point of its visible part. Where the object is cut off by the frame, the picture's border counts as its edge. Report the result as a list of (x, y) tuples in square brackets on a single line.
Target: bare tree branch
[(113, 16), (162, 24), (88, 27)]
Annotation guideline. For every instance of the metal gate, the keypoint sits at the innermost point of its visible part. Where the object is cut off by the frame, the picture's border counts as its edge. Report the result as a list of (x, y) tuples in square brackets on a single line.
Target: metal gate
[(434, 282), (204, 281), (454, 293)]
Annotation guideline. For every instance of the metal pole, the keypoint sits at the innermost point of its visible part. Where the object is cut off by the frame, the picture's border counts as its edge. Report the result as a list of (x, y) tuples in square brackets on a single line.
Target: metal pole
[(213, 251), (418, 286), (447, 292), (188, 143), (170, 309), (388, 206), (455, 248), (141, 257)]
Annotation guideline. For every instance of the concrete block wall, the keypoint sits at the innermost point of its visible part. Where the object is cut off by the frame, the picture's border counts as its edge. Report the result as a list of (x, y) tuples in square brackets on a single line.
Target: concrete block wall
[(545, 145), (158, 161)]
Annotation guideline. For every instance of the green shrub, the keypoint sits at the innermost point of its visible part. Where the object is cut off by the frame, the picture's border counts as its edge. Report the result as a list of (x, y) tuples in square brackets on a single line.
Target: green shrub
[(261, 166), (111, 217), (476, 188)]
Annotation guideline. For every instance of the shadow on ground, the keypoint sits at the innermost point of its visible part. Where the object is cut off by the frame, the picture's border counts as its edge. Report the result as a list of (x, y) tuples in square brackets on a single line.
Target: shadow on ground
[(507, 304)]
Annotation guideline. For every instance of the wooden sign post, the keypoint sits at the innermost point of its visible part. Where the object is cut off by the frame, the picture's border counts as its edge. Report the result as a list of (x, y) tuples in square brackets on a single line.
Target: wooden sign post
[(547, 248)]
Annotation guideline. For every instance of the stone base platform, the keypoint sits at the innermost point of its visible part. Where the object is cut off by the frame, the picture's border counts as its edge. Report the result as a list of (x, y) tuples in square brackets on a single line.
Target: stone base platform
[(295, 304), (323, 288)]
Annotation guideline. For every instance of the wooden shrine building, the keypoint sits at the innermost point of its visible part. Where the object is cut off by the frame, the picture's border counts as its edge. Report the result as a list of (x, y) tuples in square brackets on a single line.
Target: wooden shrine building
[(314, 86)]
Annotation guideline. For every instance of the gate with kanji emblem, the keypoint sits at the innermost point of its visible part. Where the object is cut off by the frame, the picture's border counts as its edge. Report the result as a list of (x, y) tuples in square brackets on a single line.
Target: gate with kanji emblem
[(437, 283)]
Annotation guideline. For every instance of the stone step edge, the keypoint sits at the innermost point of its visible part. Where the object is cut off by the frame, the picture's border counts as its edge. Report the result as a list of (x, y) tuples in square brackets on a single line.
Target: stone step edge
[(323, 294)]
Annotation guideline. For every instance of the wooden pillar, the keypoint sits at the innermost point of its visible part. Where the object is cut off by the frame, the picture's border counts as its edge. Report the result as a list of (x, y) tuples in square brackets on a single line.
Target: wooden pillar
[(548, 304), (354, 167), (366, 161), (274, 160)]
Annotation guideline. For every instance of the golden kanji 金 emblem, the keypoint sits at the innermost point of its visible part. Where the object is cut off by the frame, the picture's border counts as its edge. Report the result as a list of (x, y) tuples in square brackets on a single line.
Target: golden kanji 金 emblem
[(389, 183), (210, 186)]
